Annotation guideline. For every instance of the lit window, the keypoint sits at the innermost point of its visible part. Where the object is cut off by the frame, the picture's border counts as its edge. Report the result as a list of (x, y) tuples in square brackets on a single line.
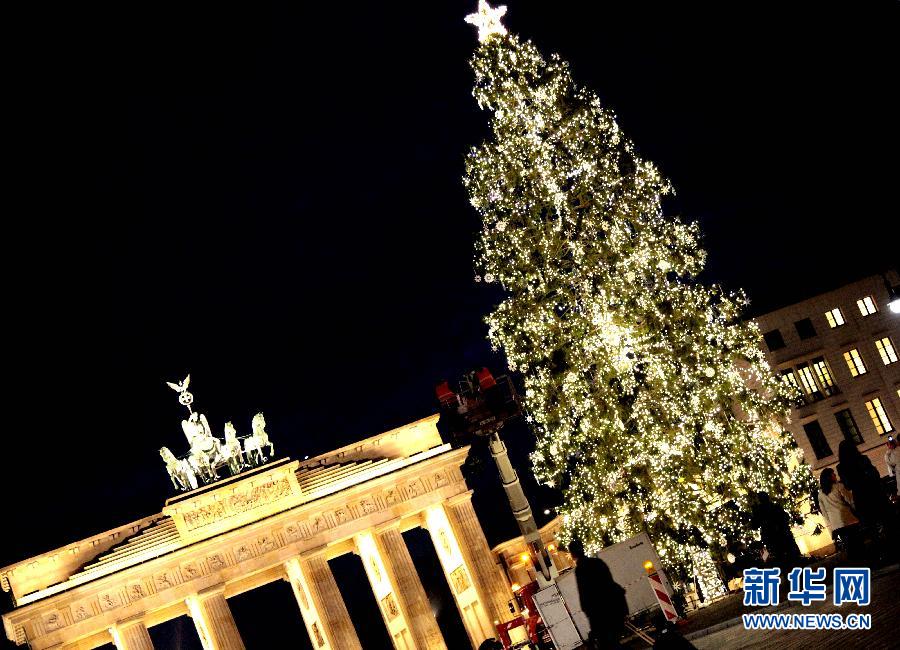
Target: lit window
[(855, 362), (817, 440), (823, 374), (790, 379), (807, 381), (879, 417), (886, 350), (835, 317), (848, 427), (866, 306)]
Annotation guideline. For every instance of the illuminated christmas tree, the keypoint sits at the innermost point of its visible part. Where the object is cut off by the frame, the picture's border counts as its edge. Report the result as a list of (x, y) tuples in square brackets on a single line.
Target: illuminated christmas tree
[(654, 407)]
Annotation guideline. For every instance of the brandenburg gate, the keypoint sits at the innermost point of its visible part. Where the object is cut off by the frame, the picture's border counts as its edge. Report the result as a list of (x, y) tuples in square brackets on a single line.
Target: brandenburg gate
[(280, 521)]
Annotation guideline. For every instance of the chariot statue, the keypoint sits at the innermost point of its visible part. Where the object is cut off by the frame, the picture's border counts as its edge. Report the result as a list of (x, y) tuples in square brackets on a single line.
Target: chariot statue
[(204, 454), (207, 453)]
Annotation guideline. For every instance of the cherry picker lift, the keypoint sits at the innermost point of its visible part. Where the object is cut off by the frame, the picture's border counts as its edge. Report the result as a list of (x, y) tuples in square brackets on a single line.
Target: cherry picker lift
[(478, 410)]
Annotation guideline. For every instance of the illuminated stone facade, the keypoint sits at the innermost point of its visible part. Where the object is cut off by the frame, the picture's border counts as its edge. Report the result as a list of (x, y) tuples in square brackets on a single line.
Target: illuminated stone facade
[(829, 349), (807, 344), (284, 521)]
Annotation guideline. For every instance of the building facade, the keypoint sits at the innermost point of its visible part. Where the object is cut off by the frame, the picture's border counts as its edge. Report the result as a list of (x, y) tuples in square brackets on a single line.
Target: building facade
[(283, 521), (840, 349)]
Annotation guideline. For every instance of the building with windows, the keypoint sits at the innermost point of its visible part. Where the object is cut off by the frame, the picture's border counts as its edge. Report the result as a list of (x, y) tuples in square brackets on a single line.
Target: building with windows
[(840, 349)]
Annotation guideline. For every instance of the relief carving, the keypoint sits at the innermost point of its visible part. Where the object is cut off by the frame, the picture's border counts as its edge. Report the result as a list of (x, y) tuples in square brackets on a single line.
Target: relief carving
[(243, 552), (216, 561), (445, 541), (318, 524), (53, 621), (416, 487), (81, 612), (376, 572), (266, 543), (301, 592), (237, 503), (341, 515), (460, 580), (440, 479), (135, 591), (390, 607), (318, 634), (162, 581), (368, 506), (204, 515), (292, 531), (109, 600), (390, 497), (190, 570)]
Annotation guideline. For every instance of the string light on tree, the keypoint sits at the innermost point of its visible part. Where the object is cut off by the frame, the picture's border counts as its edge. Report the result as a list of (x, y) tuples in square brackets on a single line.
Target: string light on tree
[(651, 398)]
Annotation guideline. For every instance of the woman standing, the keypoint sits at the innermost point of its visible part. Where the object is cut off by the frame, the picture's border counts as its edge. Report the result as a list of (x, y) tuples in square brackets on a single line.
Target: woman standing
[(836, 504)]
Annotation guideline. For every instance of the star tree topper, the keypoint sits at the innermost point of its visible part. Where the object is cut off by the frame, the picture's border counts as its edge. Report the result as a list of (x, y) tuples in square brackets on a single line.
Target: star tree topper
[(487, 20)]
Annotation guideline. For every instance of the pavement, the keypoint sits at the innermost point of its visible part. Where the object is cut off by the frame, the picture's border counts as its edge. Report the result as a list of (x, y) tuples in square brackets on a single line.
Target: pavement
[(720, 626)]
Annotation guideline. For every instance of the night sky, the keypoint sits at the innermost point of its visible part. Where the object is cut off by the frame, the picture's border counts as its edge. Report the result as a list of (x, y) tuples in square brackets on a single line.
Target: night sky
[(271, 200)]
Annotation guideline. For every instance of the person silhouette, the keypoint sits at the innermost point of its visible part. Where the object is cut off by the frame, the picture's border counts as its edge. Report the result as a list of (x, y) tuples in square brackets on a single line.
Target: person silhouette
[(859, 475), (775, 530), (602, 599)]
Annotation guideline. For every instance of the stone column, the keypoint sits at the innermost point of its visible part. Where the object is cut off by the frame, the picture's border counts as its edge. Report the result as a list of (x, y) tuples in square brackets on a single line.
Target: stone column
[(337, 630), (213, 620), (131, 635), (477, 555), (320, 633), (413, 600), (384, 588), (469, 599)]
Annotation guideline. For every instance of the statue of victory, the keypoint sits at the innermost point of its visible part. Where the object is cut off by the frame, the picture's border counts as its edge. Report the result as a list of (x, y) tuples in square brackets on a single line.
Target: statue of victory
[(204, 454)]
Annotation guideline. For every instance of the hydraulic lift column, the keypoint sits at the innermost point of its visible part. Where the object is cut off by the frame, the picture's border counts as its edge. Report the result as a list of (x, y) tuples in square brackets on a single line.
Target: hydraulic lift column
[(546, 571)]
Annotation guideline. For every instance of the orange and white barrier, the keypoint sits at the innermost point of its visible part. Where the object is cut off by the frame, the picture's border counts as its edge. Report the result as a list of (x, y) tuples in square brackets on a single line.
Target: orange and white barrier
[(662, 597)]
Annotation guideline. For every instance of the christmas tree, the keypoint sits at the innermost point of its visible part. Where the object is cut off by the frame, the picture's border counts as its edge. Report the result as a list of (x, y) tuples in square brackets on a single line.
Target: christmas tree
[(654, 407)]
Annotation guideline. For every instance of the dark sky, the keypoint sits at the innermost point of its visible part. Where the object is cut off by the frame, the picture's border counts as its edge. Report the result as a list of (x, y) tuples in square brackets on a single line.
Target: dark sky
[(271, 200)]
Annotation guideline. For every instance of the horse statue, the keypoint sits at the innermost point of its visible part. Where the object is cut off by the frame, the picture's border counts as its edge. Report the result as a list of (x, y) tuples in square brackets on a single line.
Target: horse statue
[(180, 471), (253, 445), (231, 451), (204, 455)]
